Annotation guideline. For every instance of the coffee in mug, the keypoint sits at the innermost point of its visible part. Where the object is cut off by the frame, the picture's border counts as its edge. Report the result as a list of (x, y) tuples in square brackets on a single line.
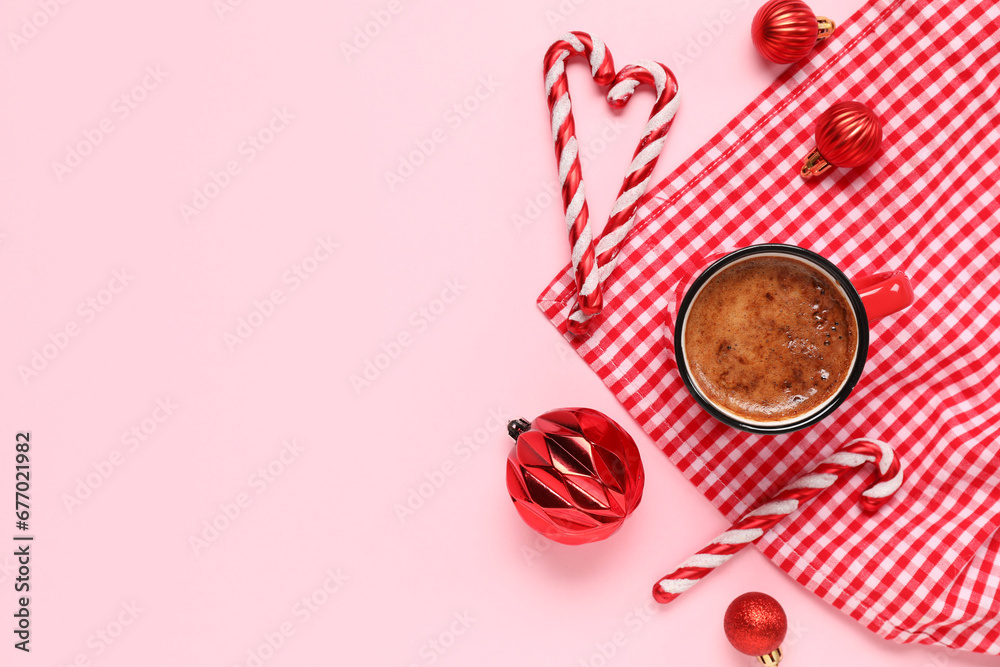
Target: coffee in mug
[(773, 338), (770, 339)]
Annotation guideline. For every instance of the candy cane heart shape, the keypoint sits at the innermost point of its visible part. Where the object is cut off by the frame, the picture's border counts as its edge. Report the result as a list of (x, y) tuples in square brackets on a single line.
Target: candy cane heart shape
[(751, 526), (639, 172), (581, 237)]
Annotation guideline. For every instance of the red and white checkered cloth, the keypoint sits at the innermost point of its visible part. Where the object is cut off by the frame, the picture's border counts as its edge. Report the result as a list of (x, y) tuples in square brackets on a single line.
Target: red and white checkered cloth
[(926, 568)]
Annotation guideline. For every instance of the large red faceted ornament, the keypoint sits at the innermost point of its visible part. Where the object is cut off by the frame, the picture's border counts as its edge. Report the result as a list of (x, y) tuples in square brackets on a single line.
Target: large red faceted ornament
[(848, 134), (756, 625), (574, 474), (784, 31)]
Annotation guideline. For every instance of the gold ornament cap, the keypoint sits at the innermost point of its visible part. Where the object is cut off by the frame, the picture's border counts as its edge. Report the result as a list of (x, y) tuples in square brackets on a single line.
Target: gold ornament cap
[(826, 27), (771, 659)]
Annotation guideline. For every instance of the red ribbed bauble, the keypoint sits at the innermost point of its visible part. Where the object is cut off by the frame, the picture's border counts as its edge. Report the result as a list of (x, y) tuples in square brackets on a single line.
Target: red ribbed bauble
[(755, 625), (848, 134), (784, 31), (574, 474)]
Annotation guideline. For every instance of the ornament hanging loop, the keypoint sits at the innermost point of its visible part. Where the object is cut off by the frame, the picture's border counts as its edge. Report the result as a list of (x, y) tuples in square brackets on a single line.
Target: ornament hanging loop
[(516, 427), (814, 165), (771, 659), (826, 27)]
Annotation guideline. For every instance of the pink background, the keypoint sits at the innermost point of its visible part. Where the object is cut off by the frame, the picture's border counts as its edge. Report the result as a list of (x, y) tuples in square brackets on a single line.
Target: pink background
[(200, 274)]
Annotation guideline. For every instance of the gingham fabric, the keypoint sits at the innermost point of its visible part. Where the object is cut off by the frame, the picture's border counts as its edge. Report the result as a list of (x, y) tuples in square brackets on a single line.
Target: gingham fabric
[(926, 568)]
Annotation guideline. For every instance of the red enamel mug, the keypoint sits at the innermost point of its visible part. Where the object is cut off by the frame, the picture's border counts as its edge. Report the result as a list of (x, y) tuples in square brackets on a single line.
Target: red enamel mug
[(868, 299)]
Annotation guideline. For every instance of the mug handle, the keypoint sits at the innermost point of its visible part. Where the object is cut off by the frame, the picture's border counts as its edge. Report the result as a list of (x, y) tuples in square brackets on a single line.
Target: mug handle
[(884, 293)]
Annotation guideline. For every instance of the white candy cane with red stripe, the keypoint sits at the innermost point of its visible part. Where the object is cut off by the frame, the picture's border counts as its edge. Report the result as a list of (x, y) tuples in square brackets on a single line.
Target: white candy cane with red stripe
[(574, 197), (751, 526), (639, 172)]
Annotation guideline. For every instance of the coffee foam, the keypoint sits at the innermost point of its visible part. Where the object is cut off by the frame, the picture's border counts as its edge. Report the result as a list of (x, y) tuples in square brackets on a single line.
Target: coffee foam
[(770, 339)]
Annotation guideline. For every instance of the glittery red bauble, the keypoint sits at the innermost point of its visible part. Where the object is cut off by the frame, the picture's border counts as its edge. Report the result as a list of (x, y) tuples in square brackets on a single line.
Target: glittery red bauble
[(574, 474), (784, 31), (755, 624), (848, 134)]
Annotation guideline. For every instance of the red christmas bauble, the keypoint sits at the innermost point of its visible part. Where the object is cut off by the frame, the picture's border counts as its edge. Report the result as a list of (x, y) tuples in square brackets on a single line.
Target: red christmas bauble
[(848, 134), (755, 624), (574, 474), (784, 31)]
